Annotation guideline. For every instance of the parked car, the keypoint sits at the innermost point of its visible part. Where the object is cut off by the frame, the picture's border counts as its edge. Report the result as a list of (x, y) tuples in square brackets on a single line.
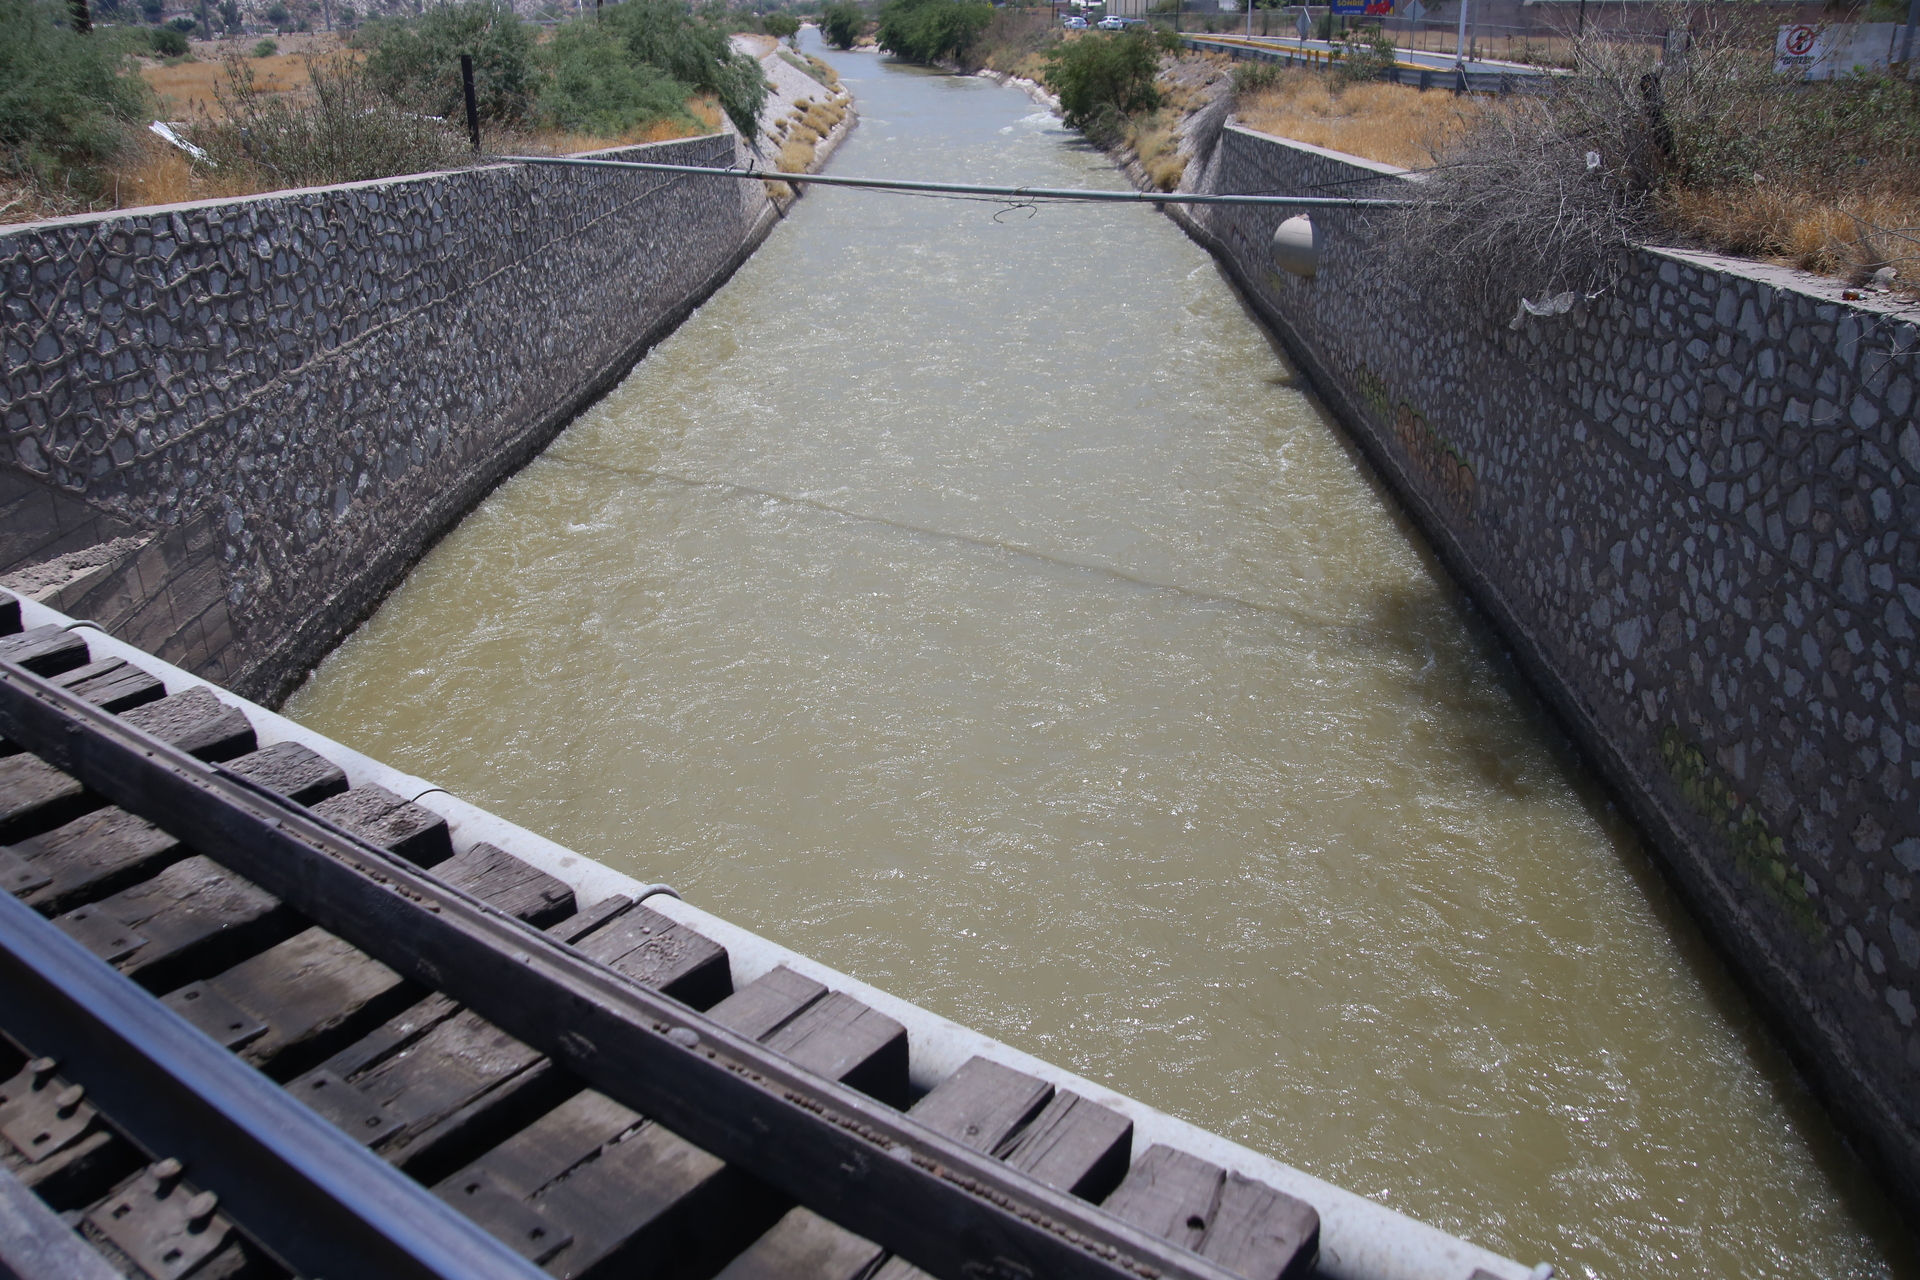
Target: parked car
[(1113, 22), (1075, 23)]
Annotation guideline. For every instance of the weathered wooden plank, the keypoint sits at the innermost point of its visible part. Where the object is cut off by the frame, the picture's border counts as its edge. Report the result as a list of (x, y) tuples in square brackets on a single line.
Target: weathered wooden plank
[(18, 876), (302, 775), (517, 888), (1170, 1193), (196, 722), (35, 797), (95, 855), (194, 917), (1078, 1146), (1259, 1232), (46, 651), (376, 814), (654, 950), (112, 683), (108, 850), (315, 993), (842, 1039), (1256, 1229), (768, 1003), (409, 1025), (982, 1104), (805, 1246), (587, 921), (541, 1154), (682, 1200), (448, 1082), (461, 1079)]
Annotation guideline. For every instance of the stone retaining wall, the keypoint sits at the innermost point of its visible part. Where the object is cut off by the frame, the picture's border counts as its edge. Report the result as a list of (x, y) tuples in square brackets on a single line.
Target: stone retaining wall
[(1693, 507), (231, 426)]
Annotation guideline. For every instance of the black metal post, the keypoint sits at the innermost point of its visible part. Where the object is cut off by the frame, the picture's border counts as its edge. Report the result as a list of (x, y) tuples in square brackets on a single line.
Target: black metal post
[(473, 104), (82, 18)]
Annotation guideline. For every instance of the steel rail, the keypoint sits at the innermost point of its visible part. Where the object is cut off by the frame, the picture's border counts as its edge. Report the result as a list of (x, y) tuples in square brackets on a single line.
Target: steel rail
[(970, 189), (36, 1245), (954, 1212), (313, 1197)]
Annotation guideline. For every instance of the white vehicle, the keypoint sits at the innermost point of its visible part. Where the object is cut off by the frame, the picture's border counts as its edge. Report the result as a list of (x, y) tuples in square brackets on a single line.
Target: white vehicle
[(1113, 22), (1075, 23)]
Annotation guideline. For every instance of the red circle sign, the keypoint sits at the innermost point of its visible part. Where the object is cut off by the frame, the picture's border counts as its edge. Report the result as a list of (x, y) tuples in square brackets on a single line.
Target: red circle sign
[(1800, 39)]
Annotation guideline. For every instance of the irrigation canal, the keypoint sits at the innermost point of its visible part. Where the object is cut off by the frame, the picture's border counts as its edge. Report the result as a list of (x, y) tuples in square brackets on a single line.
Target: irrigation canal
[(969, 600)]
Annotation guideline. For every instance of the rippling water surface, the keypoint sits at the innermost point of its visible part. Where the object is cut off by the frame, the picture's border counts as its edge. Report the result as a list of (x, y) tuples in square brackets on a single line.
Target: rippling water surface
[(973, 603)]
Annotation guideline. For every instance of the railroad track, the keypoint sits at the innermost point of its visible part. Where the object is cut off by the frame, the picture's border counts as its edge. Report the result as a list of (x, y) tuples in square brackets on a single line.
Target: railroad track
[(255, 1022)]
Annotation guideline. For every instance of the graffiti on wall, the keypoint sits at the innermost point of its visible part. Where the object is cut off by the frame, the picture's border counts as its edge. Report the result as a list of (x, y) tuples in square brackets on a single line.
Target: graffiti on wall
[(1756, 850), (1435, 458)]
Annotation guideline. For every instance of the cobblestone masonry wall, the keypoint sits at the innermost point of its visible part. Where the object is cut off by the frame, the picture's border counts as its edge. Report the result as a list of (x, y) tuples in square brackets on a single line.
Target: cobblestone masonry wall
[(1693, 505), (231, 426)]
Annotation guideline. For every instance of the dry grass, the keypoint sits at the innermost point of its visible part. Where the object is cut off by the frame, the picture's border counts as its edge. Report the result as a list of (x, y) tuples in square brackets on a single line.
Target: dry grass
[(1851, 235), (1154, 140), (554, 143), (796, 154), (1386, 123), (186, 89), (153, 172), (803, 129)]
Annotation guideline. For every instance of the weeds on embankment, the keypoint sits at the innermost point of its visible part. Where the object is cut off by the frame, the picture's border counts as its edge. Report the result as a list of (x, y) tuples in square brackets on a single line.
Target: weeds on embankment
[(1386, 123), (72, 136), (1701, 145), (801, 132)]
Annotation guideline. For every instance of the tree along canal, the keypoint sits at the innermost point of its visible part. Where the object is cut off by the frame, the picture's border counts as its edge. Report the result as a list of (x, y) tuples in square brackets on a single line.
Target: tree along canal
[(970, 601)]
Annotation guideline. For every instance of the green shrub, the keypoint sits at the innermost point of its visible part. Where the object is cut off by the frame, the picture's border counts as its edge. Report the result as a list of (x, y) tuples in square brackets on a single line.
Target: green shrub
[(1366, 53), (419, 63), (1097, 74), (265, 49), (594, 85), (65, 99), (170, 42), (841, 23), (695, 50), (932, 30), (1252, 77)]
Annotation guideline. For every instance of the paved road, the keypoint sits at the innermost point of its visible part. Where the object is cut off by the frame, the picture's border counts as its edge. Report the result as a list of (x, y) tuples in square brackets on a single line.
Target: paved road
[(1408, 57)]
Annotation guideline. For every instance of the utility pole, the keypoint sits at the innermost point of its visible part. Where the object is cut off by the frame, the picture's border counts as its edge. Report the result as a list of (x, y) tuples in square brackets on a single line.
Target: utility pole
[(1906, 43), (1460, 40)]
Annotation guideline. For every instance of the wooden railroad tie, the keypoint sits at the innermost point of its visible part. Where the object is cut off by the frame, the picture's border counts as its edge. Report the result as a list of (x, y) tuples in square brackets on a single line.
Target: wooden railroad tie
[(572, 1180)]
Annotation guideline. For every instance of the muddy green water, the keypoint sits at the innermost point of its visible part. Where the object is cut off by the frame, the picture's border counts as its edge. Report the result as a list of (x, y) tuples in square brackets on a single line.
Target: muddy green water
[(973, 604)]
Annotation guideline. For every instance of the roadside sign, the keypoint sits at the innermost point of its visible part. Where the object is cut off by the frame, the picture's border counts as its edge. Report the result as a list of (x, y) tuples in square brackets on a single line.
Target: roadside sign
[(1414, 11), (1832, 51)]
